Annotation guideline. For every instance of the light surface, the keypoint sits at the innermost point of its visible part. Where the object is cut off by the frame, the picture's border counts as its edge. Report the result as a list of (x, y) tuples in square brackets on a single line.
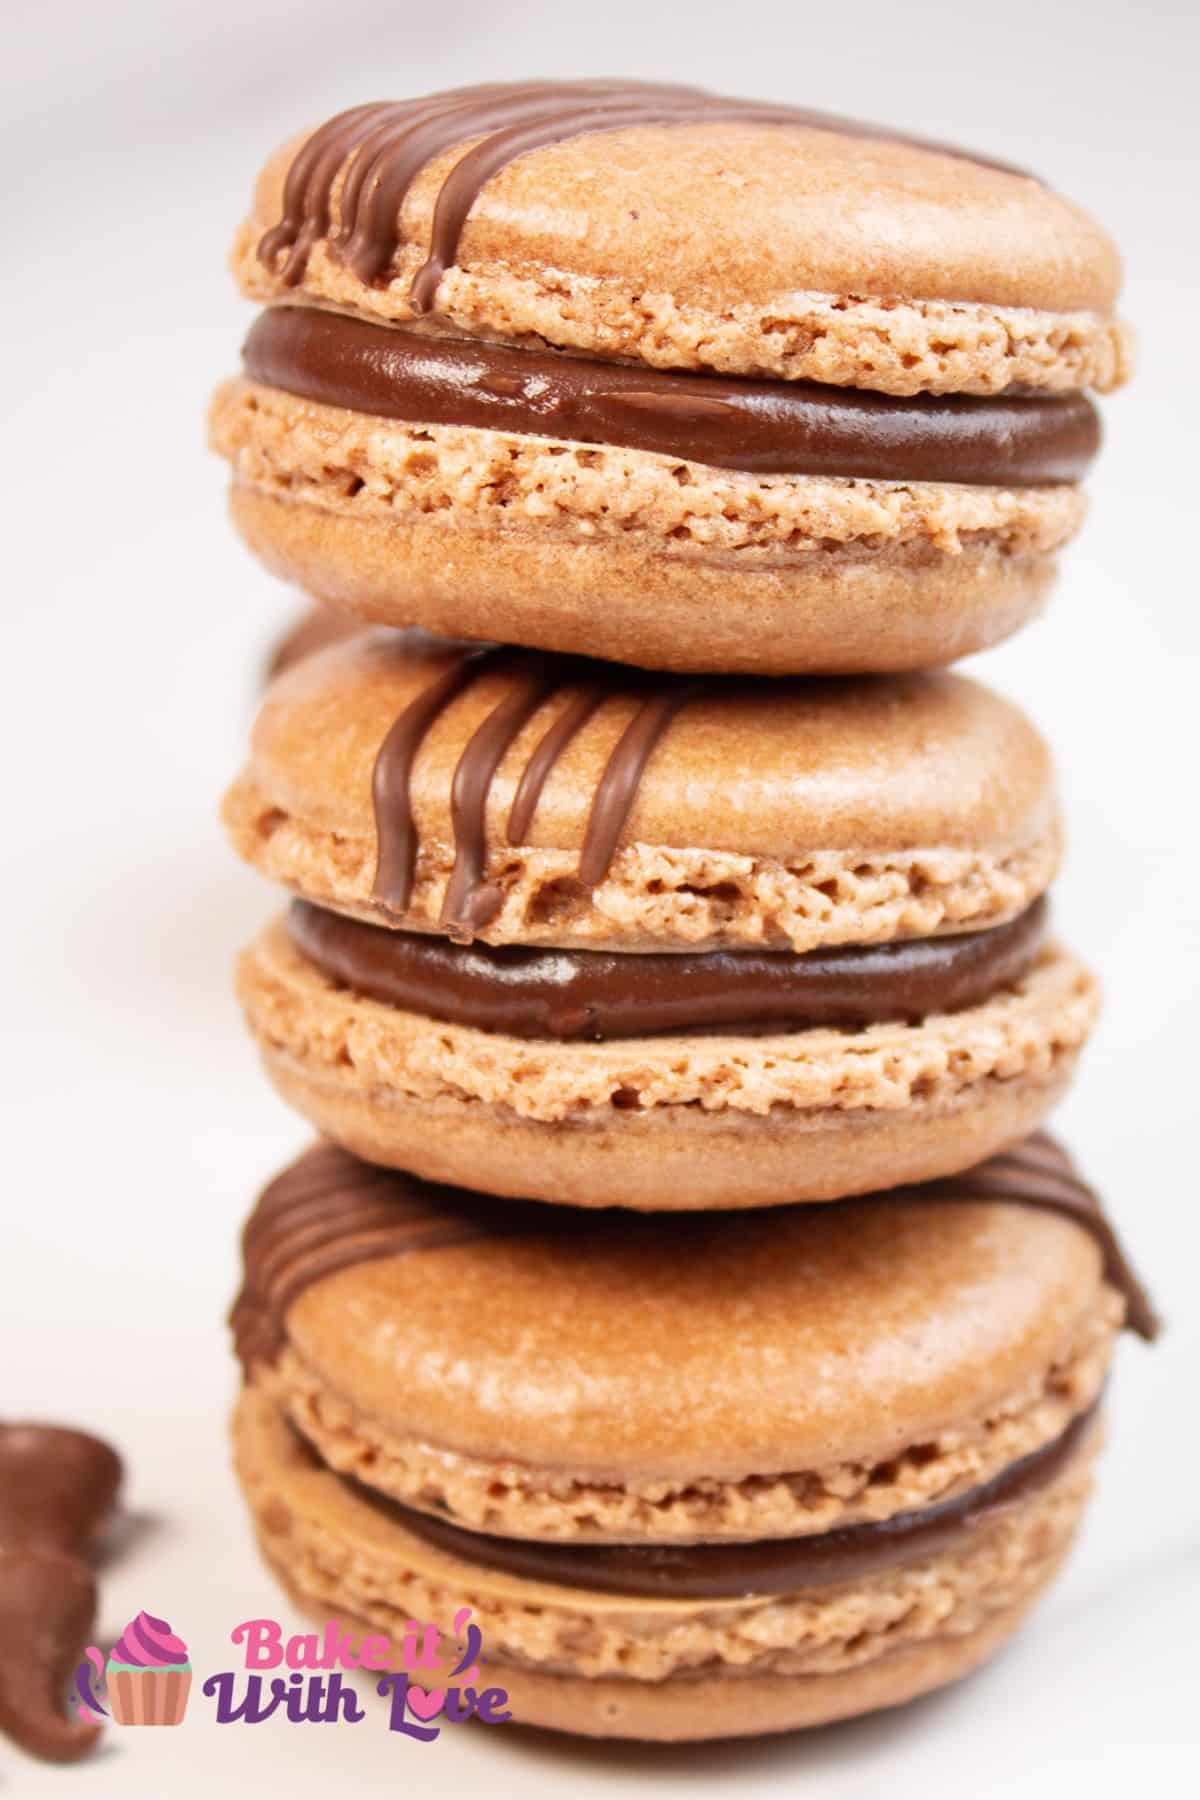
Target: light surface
[(135, 1123)]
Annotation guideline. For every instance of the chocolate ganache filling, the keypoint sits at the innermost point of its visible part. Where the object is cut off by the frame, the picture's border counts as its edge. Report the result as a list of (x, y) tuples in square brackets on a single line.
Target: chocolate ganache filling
[(742, 1571), (572, 994), (758, 427)]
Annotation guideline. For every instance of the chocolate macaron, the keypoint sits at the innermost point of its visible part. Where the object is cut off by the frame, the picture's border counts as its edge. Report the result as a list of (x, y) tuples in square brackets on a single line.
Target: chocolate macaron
[(682, 381), (569, 933), (826, 1466), (313, 629)]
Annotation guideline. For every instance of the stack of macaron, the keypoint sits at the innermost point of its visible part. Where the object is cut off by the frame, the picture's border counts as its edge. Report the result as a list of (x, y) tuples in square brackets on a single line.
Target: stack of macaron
[(682, 1278)]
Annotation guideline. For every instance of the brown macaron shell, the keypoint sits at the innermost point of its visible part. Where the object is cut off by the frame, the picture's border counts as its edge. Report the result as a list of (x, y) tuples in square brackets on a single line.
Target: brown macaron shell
[(672, 1123), (309, 631), (610, 1666), (653, 559), (800, 1372), (781, 815), (723, 246), (926, 1344), (751, 249), (923, 805)]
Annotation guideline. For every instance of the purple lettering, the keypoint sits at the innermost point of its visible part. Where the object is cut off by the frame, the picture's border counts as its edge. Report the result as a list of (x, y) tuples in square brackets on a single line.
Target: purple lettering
[(396, 1685), (251, 1711)]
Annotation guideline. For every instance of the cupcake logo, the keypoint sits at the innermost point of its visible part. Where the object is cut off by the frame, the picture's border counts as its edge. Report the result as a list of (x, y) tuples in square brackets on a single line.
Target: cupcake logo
[(146, 1678), (147, 1675)]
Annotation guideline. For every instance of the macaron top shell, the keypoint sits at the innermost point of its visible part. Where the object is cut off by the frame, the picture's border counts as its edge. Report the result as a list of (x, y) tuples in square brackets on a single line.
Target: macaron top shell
[(654, 230), (927, 766), (818, 1335)]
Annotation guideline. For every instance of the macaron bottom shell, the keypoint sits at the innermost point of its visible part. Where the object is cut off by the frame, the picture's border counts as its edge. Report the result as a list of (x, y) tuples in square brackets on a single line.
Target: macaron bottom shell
[(670, 1123), (632, 598), (612, 1665)]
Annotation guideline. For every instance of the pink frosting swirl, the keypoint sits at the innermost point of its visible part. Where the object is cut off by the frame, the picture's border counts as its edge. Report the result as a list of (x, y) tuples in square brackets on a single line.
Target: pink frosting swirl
[(149, 1643)]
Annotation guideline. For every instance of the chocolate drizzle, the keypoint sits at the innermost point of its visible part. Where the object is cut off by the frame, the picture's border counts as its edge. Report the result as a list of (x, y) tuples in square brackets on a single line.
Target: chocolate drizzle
[(789, 428), (329, 1211), (470, 902), (601, 995), (622, 775), (570, 721), (390, 787), (1038, 1172), (378, 150), (740, 1571)]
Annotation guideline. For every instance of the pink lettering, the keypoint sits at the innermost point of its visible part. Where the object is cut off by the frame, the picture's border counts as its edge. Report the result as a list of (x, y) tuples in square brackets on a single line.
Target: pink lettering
[(262, 1638), (374, 1653)]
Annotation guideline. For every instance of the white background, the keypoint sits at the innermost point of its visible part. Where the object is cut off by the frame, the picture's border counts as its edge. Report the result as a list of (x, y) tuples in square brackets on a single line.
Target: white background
[(136, 1127)]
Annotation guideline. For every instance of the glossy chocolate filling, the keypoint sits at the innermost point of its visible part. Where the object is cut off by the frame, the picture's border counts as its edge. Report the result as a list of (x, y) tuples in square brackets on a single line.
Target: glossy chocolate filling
[(759, 427), (740, 1571), (571, 994)]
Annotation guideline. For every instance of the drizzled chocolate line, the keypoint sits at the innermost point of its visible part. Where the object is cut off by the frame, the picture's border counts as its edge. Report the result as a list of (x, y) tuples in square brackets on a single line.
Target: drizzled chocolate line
[(1038, 1172), (379, 150), (787, 428), (566, 995), (570, 721), (742, 1571), (470, 903), (395, 826), (622, 776), (329, 1211)]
